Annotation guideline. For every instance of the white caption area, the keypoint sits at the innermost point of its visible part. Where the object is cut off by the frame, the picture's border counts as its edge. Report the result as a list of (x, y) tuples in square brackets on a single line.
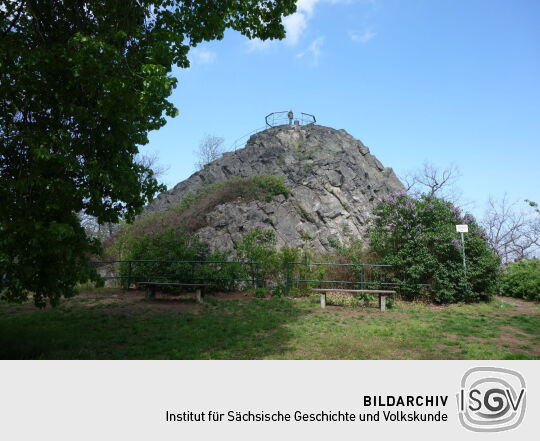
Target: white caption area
[(129, 400)]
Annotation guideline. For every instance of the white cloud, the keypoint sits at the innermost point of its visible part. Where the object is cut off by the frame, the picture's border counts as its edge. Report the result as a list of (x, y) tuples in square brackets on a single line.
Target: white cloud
[(201, 56), (313, 51), (362, 37), (296, 24), (256, 45)]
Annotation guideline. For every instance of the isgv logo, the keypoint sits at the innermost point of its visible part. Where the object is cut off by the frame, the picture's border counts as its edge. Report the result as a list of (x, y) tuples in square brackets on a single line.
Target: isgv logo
[(491, 399)]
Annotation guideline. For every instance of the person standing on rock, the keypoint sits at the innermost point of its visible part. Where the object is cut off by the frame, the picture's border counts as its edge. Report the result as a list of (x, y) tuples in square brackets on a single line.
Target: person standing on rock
[(290, 116)]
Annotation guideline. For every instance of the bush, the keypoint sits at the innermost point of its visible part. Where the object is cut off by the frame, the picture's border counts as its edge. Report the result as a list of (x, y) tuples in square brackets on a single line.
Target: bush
[(418, 237), (259, 245), (522, 279), (169, 247)]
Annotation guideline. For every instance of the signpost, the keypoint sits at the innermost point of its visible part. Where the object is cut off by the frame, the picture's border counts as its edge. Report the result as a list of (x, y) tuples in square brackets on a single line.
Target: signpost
[(463, 229)]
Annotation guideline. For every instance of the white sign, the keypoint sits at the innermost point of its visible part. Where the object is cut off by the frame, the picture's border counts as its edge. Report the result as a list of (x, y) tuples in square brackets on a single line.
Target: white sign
[(462, 228)]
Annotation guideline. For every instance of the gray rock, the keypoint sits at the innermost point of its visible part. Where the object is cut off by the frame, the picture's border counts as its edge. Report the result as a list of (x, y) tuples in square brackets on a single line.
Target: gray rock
[(334, 184)]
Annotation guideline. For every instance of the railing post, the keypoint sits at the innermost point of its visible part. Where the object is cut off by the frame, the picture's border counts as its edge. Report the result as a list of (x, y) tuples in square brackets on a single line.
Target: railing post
[(288, 281), (260, 283), (129, 276)]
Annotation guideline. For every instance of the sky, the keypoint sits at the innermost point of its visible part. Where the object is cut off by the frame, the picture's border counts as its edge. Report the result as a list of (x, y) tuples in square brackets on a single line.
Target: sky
[(448, 82)]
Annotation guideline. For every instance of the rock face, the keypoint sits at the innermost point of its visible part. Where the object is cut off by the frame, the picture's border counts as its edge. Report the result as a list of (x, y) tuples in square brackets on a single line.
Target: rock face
[(334, 183)]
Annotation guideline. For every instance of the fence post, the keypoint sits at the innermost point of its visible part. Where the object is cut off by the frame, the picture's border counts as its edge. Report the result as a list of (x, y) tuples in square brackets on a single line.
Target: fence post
[(193, 271), (129, 275), (260, 282), (288, 282)]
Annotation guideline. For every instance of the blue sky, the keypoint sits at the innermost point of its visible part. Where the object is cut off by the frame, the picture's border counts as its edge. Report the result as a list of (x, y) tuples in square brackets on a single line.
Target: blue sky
[(450, 82)]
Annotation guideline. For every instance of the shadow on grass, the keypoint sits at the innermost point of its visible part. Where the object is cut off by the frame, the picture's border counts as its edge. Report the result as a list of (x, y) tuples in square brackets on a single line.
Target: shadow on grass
[(226, 330)]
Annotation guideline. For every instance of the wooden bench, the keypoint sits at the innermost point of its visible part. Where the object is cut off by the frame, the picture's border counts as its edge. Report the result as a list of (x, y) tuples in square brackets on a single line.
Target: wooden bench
[(382, 295), (151, 288)]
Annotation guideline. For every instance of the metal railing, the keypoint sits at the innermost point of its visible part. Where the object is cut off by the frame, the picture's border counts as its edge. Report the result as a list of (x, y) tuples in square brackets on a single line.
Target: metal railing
[(359, 271), (280, 118), (273, 119), (213, 271), (243, 139)]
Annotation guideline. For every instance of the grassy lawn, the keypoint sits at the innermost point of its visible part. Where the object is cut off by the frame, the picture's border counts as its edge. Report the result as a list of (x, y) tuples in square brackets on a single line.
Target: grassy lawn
[(108, 324)]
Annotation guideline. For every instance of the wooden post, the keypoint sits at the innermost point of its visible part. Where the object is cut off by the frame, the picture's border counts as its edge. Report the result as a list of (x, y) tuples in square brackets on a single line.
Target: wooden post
[(323, 300), (382, 302)]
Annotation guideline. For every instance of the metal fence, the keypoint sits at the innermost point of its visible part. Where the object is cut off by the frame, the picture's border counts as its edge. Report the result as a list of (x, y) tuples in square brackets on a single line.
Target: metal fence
[(280, 118), (218, 273), (364, 275)]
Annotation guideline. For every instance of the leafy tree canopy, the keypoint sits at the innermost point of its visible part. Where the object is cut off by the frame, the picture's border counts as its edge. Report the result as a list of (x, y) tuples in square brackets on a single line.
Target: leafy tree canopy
[(81, 85), (418, 236)]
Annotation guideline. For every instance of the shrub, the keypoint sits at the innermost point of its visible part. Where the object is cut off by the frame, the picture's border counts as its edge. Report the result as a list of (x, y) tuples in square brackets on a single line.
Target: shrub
[(189, 215), (168, 247), (259, 245), (418, 236), (522, 279)]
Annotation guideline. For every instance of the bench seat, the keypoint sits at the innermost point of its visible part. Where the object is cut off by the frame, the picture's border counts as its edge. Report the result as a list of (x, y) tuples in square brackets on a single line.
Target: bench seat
[(151, 288), (383, 293)]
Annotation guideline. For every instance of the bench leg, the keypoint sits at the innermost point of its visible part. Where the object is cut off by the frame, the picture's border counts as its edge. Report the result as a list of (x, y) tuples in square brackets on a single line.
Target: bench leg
[(382, 302), (150, 293), (199, 295), (323, 300)]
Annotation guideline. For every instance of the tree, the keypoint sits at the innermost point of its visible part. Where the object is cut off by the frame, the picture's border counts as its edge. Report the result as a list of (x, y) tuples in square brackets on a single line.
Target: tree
[(418, 237), (105, 230), (511, 230), (433, 181), (81, 85), (210, 149)]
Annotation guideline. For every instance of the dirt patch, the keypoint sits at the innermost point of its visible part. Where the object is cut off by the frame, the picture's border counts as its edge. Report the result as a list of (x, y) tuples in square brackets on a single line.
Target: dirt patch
[(522, 306), (514, 338), (135, 302)]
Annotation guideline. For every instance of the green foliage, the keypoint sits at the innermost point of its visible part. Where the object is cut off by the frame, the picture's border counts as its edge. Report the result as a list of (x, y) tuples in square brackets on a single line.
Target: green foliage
[(255, 187), (278, 291), (164, 247), (82, 84), (197, 263), (418, 236), (365, 297), (265, 187), (258, 245), (522, 279), (306, 236)]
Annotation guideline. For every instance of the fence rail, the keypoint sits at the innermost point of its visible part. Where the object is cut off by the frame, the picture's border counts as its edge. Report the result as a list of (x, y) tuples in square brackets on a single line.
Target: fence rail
[(360, 272), (144, 270), (280, 118), (232, 272)]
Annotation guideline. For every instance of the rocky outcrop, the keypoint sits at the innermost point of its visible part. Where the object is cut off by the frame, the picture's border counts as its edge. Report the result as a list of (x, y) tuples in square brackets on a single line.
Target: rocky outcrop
[(334, 182)]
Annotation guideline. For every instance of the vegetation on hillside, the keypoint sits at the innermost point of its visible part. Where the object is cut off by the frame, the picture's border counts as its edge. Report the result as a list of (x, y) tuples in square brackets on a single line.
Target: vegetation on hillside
[(522, 279), (168, 235)]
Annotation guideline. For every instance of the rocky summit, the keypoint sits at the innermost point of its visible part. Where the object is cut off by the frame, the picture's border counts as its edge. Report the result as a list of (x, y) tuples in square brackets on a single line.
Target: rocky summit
[(333, 180)]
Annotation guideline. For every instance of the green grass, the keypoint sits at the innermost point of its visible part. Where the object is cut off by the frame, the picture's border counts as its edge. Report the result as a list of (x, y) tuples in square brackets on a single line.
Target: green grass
[(109, 326)]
